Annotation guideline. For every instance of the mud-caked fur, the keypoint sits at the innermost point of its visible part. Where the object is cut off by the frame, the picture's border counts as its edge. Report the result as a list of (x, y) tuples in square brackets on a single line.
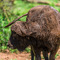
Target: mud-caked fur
[(41, 31)]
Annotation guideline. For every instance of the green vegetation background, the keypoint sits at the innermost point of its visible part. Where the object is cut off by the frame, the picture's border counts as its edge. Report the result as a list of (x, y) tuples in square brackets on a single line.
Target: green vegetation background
[(12, 12)]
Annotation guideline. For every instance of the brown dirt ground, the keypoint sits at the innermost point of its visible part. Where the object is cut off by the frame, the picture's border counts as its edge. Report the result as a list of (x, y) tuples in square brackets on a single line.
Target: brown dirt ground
[(19, 56)]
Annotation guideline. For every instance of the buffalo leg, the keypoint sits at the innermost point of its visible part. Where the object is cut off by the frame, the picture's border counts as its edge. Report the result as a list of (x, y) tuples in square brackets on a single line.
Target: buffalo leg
[(53, 53), (32, 55), (37, 55), (45, 54)]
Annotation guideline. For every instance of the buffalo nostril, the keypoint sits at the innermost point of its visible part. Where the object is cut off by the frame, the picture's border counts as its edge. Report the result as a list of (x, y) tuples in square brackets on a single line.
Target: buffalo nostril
[(8, 45)]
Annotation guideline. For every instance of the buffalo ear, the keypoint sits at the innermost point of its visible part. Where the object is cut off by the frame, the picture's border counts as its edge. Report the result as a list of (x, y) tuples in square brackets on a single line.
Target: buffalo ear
[(17, 27), (20, 29)]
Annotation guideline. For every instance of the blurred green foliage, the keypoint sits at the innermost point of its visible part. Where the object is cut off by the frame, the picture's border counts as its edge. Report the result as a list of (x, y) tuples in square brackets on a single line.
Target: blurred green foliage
[(13, 59), (13, 50), (28, 50), (10, 12)]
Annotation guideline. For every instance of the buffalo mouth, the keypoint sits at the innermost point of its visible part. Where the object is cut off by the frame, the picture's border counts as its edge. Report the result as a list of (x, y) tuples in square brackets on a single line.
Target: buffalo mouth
[(15, 47), (10, 46)]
